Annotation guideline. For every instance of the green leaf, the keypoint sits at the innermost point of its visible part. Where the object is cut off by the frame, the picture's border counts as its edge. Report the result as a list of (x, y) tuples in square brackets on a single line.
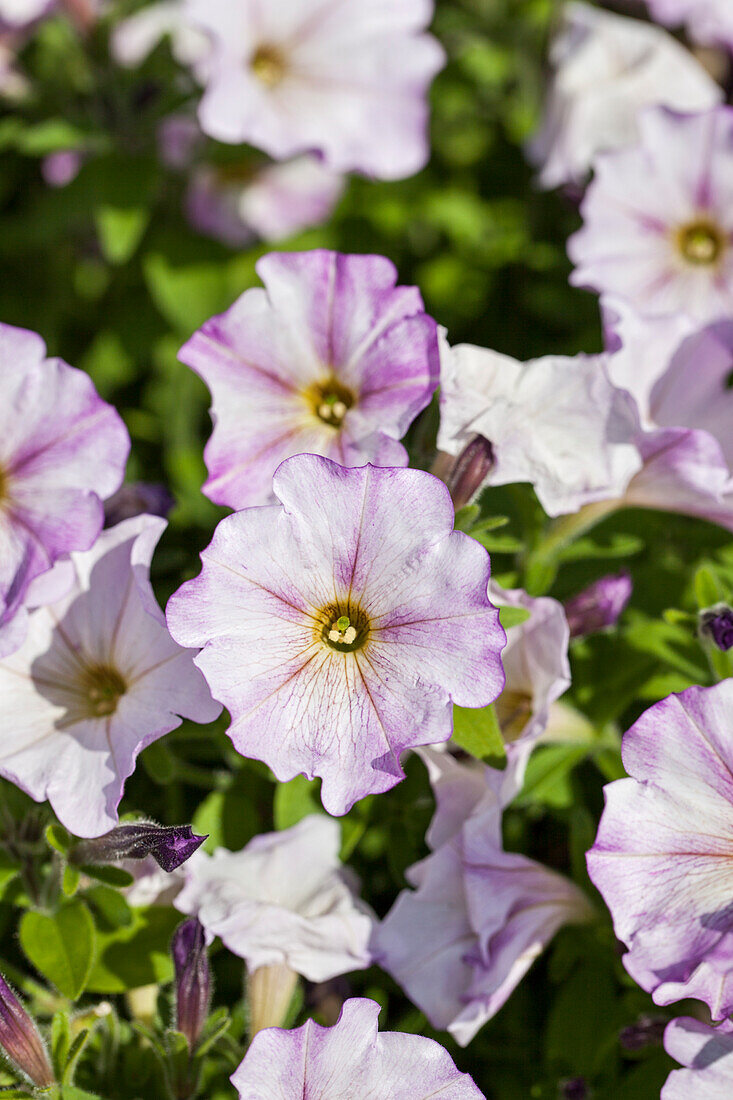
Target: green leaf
[(110, 907), (120, 230), (466, 517), (74, 1055), (709, 589), (216, 1025), (58, 838), (137, 955), (61, 946), (110, 875), (71, 1092), (60, 1041), (70, 881), (548, 777), (295, 800), (512, 616), (477, 732)]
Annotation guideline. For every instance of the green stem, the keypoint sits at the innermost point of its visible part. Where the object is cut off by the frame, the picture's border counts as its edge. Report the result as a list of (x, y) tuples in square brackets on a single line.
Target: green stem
[(541, 562)]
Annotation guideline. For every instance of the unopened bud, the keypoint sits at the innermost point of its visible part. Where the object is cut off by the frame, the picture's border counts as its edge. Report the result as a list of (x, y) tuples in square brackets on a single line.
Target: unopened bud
[(133, 500), (599, 605), (716, 624), (470, 470), (170, 846), (648, 1031), (193, 979), (21, 1040)]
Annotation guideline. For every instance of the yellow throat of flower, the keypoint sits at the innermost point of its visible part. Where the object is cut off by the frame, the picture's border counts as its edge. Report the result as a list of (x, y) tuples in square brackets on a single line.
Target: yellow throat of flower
[(330, 401), (344, 629), (701, 243), (268, 65)]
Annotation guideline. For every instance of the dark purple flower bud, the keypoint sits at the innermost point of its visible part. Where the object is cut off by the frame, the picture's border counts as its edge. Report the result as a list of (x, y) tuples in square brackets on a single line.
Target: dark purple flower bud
[(470, 470), (716, 623), (574, 1089), (193, 979), (21, 1040), (599, 605), (133, 500), (170, 846), (648, 1031)]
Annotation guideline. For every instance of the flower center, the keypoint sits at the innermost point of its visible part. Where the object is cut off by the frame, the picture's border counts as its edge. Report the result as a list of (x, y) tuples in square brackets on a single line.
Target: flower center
[(513, 712), (268, 65), (344, 629), (330, 401), (701, 243), (103, 686)]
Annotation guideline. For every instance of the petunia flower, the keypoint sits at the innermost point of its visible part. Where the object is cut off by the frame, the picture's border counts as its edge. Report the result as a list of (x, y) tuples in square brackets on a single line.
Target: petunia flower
[(536, 666), (331, 358), (661, 857), (658, 227), (282, 900), (484, 914), (135, 37), (349, 1061), (707, 1052), (347, 79), (555, 422), (607, 68), (62, 451), (339, 625), (236, 206), (16, 14), (97, 679), (708, 21)]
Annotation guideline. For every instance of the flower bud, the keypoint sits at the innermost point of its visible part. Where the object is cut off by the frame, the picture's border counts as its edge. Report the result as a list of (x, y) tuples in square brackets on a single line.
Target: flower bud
[(133, 500), (470, 470), (599, 605), (648, 1031), (170, 846), (716, 624), (193, 979), (21, 1040)]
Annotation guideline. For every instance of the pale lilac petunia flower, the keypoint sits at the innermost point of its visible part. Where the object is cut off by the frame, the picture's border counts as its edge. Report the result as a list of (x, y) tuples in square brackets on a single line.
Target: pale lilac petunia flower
[(97, 679), (15, 14), (556, 422), (331, 358), (607, 68), (135, 37), (62, 451), (236, 206), (536, 667), (349, 1061), (484, 914), (344, 78), (339, 625), (661, 859), (708, 21), (707, 1052), (284, 899), (658, 218)]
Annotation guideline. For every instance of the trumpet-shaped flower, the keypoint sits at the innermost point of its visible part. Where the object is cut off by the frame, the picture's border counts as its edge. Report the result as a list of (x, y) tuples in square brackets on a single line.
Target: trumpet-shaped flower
[(555, 422), (344, 78), (659, 220), (349, 1061), (707, 1052), (662, 855), (708, 21), (282, 900), (274, 202), (607, 68), (535, 664), (339, 625), (97, 679), (332, 359), (62, 451), (484, 914)]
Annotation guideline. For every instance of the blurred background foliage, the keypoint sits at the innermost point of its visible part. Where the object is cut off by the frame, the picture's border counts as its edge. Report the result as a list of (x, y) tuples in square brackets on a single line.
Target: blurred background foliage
[(110, 273)]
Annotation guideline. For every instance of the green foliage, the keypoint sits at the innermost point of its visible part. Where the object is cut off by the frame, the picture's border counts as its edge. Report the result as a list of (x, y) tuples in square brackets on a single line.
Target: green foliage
[(61, 946)]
